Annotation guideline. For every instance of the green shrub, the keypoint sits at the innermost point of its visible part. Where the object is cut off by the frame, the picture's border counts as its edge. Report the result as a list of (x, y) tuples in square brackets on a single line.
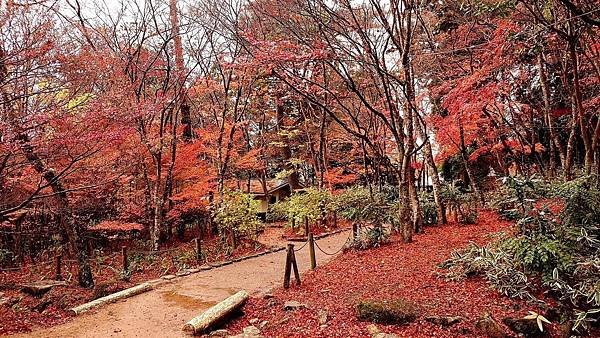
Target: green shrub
[(373, 237), (516, 195), (236, 214), (462, 203), (428, 208), (359, 205), (310, 203), (6, 257)]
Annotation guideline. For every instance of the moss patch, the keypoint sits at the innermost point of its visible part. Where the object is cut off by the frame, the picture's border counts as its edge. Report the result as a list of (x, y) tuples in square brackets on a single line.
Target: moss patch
[(396, 311)]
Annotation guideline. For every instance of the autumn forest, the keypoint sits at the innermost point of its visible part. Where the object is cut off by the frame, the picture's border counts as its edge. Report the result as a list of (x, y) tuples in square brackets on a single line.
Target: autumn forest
[(449, 150)]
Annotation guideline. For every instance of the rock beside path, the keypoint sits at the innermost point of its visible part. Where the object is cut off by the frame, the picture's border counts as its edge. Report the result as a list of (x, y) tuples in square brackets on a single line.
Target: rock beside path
[(490, 328), (39, 288), (293, 305), (444, 321), (525, 327)]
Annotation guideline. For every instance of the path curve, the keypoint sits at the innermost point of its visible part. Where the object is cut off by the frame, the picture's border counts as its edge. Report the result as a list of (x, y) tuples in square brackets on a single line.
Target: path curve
[(163, 311)]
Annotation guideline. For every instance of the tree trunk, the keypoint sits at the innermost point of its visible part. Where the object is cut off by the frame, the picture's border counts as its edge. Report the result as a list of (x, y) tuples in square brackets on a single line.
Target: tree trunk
[(405, 212), (416, 206), (578, 105), (136, 290), (286, 151), (67, 223)]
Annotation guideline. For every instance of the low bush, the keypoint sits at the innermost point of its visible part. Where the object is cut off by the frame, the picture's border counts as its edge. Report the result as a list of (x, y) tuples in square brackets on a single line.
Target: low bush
[(373, 237), (310, 203), (462, 204), (236, 215), (428, 208)]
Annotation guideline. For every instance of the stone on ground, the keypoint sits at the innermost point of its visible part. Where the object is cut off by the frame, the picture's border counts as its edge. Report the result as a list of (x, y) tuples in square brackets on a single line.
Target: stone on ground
[(489, 327), (251, 330), (293, 305), (322, 317), (444, 321), (41, 287), (525, 327), (219, 333), (385, 335)]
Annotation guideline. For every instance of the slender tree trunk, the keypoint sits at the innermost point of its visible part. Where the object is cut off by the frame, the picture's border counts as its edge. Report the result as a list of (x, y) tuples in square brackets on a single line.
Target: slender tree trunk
[(184, 107), (405, 212), (433, 173), (158, 204), (555, 138), (470, 176), (578, 105)]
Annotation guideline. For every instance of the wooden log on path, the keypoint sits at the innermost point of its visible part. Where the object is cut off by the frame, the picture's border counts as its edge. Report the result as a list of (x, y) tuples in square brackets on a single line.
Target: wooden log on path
[(216, 314), (136, 290)]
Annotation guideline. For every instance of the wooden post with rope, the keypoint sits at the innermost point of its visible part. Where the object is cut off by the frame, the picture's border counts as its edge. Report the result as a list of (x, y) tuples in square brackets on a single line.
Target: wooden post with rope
[(125, 259), (290, 262), (311, 251)]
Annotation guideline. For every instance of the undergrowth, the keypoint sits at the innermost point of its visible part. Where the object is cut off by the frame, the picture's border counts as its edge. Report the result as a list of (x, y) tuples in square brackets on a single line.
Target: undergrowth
[(560, 252)]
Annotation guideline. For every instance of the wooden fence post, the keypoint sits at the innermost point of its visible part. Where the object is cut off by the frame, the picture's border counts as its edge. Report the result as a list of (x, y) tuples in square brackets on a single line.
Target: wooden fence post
[(290, 262), (354, 230), (58, 275), (288, 266), (311, 251), (125, 259), (335, 219), (293, 223), (295, 266), (198, 247)]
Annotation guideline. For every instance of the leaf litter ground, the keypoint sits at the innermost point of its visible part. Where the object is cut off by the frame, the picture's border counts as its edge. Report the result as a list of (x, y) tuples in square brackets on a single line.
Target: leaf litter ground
[(396, 270)]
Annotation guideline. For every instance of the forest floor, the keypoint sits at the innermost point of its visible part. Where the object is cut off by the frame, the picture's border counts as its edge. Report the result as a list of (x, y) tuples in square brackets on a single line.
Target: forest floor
[(392, 271), (163, 311)]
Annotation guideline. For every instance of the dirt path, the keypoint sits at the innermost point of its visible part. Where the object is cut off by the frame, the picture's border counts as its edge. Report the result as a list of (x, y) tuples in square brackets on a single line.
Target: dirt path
[(163, 311)]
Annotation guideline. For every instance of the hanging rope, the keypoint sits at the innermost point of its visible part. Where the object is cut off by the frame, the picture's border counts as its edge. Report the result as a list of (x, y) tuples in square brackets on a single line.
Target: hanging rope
[(336, 252), (300, 248)]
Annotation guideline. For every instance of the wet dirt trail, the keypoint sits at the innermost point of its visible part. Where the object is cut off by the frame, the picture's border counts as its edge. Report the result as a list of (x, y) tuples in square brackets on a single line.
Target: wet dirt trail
[(163, 311)]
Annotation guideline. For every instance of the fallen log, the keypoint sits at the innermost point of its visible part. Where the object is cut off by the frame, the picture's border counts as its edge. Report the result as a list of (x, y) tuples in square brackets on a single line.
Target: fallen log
[(136, 290), (216, 314)]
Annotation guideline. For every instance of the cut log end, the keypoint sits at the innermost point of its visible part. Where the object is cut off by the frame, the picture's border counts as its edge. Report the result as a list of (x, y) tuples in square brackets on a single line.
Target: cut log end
[(189, 328), (216, 314)]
